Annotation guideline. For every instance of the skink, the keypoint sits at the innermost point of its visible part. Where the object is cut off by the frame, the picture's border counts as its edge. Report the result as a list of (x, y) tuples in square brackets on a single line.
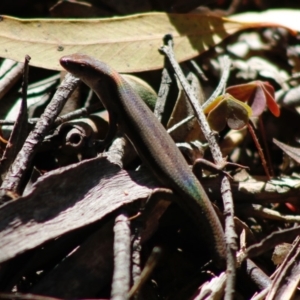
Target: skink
[(151, 141)]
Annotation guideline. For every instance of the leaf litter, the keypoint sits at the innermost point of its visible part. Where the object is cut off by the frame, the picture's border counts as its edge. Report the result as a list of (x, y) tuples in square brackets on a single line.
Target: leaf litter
[(69, 197)]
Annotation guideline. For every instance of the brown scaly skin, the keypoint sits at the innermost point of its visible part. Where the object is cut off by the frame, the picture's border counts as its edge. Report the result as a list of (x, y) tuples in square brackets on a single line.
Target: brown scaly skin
[(151, 141)]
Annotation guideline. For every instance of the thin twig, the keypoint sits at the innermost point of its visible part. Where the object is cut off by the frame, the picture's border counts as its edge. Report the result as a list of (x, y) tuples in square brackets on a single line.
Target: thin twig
[(136, 255), (121, 276), (164, 90), (271, 241), (12, 122), (78, 113), (162, 94), (263, 136), (147, 271), (262, 294), (28, 296), (13, 72), (256, 210), (18, 170), (230, 234), (257, 275), (20, 129), (198, 70), (286, 281), (259, 149), (182, 122), (221, 86)]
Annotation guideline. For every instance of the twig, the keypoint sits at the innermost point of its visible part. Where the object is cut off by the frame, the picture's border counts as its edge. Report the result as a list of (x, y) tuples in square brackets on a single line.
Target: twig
[(230, 234), (164, 91), (17, 172), (121, 276), (199, 72), (80, 112), (162, 94), (12, 122), (19, 132), (286, 281), (13, 72), (136, 255), (25, 296), (182, 122), (259, 149), (266, 147), (262, 294), (221, 86), (209, 135), (149, 266), (256, 210), (257, 275), (271, 241)]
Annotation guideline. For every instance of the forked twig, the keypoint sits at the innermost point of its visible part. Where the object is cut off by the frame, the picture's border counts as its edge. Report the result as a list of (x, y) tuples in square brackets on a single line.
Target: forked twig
[(230, 235)]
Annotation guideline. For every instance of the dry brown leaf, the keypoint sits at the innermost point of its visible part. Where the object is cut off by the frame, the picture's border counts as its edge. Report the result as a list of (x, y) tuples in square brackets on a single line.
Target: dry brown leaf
[(48, 211), (129, 44), (285, 17), (292, 152)]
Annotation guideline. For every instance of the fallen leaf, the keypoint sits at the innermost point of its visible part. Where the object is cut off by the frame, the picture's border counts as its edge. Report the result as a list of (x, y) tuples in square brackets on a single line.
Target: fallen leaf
[(285, 17), (292, 152), (227, 110), (129, 44), (258, 94), (47, 208)]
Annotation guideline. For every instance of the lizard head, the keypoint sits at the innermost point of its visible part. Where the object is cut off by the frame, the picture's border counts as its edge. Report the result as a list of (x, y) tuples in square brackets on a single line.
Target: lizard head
[(88, 69)]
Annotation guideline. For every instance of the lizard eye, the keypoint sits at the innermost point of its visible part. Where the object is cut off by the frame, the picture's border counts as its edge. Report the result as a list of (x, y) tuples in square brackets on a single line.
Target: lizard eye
[(81, 66)]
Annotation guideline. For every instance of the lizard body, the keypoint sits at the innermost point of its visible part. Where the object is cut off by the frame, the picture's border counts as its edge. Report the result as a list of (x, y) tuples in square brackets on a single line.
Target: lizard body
[(151, 141)]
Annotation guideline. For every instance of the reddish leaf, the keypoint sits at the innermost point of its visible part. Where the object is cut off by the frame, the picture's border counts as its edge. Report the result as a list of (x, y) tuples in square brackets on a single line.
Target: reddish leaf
[(242, 91), (257, 101), (271, 103), (258, 94)]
